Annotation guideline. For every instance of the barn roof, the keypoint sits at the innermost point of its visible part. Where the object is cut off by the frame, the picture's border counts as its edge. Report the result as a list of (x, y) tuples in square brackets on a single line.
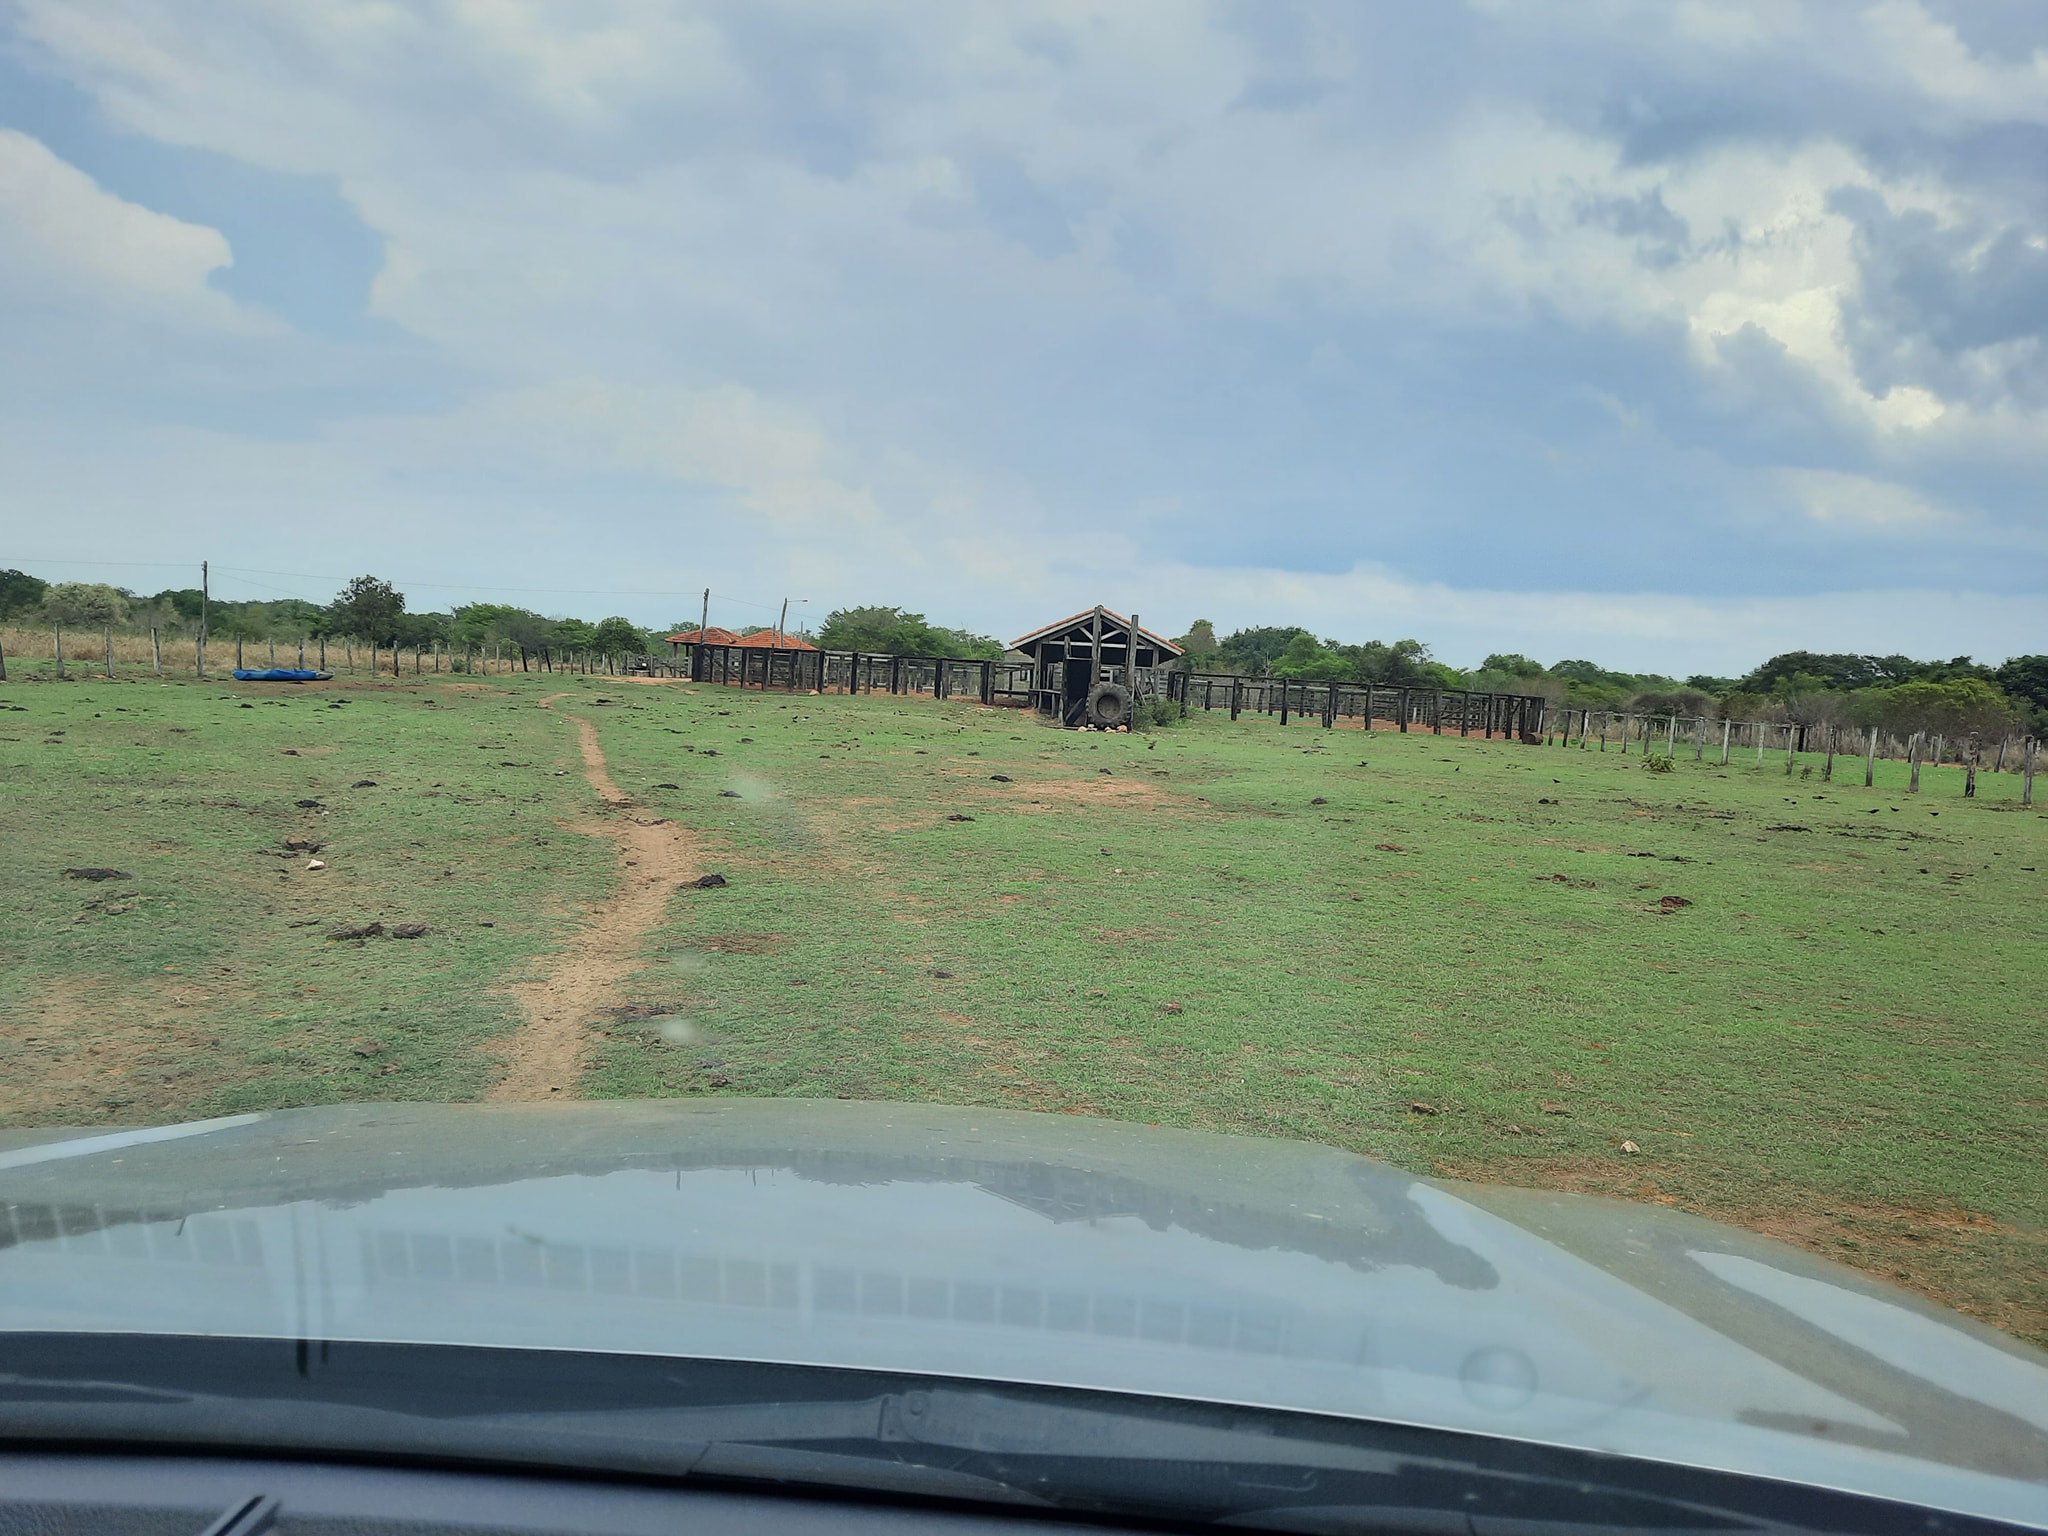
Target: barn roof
[(712, 636), (765, 639), (1080, 620)]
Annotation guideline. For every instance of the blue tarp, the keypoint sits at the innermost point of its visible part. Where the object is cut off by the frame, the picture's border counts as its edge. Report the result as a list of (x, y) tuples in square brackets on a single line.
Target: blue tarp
[(281, 675)]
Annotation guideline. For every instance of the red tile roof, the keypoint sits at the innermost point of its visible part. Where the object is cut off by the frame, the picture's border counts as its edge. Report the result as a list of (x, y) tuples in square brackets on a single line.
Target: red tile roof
[(765, 639), (712, 636)]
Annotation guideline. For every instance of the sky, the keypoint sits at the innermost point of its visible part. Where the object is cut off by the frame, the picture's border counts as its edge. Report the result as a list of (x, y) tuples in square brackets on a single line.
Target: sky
[(1670, 335)]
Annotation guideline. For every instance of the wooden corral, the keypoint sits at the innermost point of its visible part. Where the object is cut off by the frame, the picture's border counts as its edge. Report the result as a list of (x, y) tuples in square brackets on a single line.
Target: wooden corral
[(1094, 667), (1024, 684)]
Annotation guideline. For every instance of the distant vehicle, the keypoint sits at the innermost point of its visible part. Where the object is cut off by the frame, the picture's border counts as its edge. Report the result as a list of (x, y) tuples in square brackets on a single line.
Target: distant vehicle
[(736, 1313)]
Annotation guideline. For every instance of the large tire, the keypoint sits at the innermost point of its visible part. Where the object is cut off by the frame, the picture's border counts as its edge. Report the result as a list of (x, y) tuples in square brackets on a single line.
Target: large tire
[(1109, 704)]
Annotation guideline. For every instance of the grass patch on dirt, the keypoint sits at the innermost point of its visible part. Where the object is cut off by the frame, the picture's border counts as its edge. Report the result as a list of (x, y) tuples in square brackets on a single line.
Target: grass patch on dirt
[(208, 983), (1453, 954)]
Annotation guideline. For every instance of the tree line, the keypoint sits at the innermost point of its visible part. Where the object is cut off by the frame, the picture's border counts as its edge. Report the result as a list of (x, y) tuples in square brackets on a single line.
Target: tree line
[(1959, 697), (1956, 698), (369, 610)]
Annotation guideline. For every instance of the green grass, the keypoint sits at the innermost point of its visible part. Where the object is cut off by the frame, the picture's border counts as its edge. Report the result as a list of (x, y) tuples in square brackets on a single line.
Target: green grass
[(193, 988), (1838, 1040)]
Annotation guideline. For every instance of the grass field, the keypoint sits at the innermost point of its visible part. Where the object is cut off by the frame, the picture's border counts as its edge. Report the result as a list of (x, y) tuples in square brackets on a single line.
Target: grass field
[(1453, 954)]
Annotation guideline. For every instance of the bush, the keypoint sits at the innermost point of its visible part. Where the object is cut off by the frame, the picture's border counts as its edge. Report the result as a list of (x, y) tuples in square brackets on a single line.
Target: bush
[(1155, 712), (1657, 762)]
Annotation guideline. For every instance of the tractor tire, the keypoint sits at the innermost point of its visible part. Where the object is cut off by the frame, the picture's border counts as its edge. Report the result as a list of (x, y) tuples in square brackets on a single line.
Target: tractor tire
[(1109, 704)]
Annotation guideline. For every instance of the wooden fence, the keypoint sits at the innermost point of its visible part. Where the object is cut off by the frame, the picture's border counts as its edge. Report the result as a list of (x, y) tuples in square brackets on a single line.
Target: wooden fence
[(1671, 734), (1015, 684), (1012, 683), (1436, 710)]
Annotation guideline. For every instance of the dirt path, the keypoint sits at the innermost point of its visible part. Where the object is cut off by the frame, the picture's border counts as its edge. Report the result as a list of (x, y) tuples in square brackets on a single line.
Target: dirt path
[(546, 1057)]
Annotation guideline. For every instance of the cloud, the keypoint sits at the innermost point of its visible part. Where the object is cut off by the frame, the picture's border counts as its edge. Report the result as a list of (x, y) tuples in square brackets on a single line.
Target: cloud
[(931, 303), (62, 233), (1858, 501), (1955, 308)]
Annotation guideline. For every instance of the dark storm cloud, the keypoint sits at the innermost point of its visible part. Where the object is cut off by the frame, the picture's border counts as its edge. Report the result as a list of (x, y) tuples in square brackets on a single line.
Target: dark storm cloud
[(1959, 309)]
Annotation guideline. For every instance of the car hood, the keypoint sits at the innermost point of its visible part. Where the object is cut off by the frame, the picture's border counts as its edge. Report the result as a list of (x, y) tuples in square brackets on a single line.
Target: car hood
[(1031, 1248)]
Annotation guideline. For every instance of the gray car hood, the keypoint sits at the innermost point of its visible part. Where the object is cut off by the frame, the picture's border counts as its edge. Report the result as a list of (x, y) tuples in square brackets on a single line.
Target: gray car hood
[(1031, 1248)]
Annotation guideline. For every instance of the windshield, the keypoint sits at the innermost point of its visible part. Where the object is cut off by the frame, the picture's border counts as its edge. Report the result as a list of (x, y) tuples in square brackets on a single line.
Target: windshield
[(1318, 710)]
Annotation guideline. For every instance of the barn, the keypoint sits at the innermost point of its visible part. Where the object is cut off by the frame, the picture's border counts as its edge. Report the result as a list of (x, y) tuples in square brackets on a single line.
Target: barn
[(1093, 667)]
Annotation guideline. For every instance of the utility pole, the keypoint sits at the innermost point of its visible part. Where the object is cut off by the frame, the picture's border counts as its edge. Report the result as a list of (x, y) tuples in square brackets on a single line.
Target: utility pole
[(781, 619), (205, 593)]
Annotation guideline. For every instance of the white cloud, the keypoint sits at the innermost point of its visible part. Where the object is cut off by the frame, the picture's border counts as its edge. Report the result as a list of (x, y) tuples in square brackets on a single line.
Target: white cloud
[(743, 255), (1859, 501), (61, 232)]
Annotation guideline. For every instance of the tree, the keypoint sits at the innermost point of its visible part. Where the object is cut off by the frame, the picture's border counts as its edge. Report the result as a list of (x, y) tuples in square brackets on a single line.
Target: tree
[(84, 605), (1512, 664), (368, 607), (20, 592), (1200, 640), (1959, 707), (1255, 650), (1404, 664), (1314, 661), (893, 632), (2025, 677), (419, 631), (571, 634), (185, 602), (616, 636)]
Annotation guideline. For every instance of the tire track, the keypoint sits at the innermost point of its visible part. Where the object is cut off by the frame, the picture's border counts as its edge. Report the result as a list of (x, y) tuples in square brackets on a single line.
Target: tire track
[(545, 1058)]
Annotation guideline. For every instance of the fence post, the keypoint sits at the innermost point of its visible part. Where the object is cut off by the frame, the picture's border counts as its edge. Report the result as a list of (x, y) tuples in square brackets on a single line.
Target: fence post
[(1236, 696), (1970, 780), (1870, 760), (58, 631), (3, 663), (2027, 775), (1330, 709), (1699, 738), (1913, 753), (1285, 690), (1791, 743), (110, 650)]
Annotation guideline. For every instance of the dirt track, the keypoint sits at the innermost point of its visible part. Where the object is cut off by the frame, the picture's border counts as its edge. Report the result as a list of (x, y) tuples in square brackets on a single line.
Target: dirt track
[(545, 1059)]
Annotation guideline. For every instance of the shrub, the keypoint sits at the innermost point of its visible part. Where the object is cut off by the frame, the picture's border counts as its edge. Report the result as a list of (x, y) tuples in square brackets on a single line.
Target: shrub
[(1657, 762), (1155, 712)]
